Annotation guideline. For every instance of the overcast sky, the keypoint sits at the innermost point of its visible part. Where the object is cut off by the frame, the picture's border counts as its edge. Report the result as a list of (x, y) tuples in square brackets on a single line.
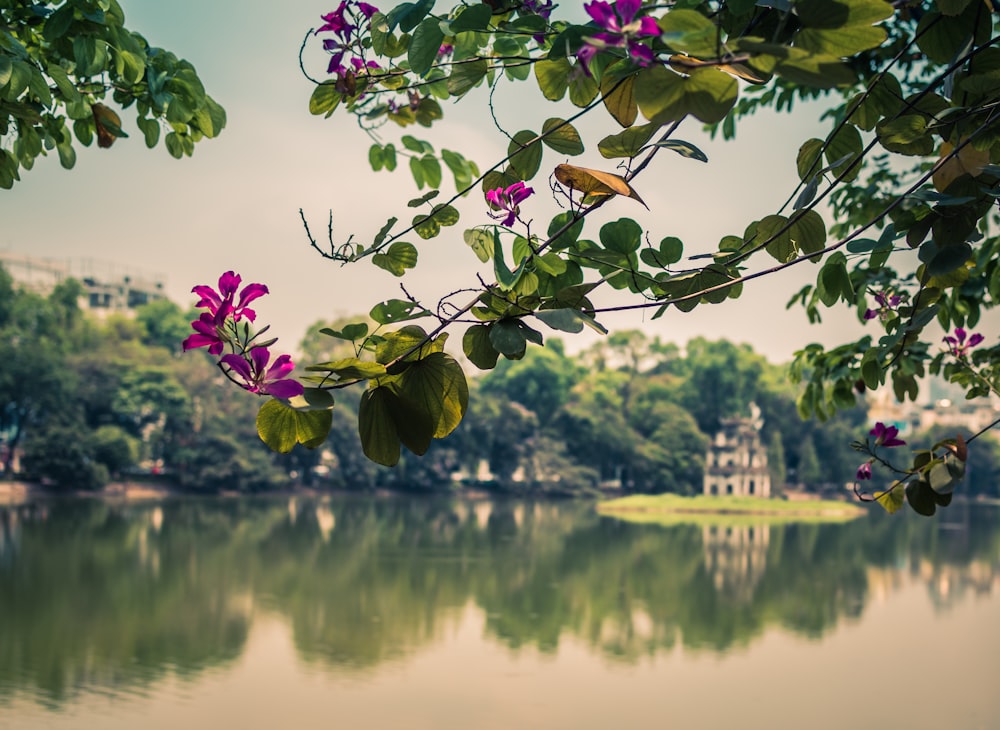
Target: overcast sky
[(234, 204)]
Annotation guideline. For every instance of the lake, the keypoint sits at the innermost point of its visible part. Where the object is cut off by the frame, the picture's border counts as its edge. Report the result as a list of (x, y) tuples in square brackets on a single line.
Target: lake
[(442, 613)]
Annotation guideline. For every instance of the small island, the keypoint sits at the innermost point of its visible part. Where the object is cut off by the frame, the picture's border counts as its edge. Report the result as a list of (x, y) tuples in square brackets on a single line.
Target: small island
[(668, 509)]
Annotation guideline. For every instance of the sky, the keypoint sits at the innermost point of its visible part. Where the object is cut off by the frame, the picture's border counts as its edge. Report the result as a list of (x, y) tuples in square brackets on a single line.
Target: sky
[(235, 204)]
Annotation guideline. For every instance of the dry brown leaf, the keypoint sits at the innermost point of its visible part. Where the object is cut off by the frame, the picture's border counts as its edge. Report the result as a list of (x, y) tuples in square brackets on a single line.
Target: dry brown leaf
[(108, 125), (739, 70), (968, 161), (595, 182)]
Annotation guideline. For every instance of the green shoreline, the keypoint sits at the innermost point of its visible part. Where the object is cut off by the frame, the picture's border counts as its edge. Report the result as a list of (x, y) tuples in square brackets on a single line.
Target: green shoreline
[(670, 509)]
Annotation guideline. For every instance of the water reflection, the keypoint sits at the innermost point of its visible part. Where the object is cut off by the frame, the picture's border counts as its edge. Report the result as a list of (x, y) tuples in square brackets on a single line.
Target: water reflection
[(94, 595)]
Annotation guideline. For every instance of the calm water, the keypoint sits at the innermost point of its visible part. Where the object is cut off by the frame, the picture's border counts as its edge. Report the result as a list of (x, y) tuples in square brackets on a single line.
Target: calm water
[(405, 613)]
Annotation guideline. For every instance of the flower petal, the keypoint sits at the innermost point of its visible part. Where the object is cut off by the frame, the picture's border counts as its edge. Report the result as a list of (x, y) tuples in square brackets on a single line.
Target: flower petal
[(281, 368), (239, 365), (283, 388)]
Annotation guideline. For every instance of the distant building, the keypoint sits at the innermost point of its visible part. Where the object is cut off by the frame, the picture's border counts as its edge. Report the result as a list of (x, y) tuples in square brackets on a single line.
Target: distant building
[(107, 287), (943, 413), (736, 462)]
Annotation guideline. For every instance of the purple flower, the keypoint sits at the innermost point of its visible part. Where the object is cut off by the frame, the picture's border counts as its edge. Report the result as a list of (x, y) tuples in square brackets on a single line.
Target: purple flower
[(367, 10), (208, 333), (220, 303), (887, 304), (958, 346), (538, 7), (445, 49), (886, 435), (508, 199), (864, 471), (336, 22), (620, 30), (264, 380)]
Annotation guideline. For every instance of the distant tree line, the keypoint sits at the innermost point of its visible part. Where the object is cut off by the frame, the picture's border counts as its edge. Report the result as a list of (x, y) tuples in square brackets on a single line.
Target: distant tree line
[(86, 400)]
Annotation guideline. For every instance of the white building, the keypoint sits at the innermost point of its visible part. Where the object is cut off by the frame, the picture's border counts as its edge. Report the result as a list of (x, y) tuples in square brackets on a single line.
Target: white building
[(107, 287), (736, 462)]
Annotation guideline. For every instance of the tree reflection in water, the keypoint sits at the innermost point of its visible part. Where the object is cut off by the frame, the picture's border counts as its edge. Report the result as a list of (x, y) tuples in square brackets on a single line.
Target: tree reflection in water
[(118, 596)]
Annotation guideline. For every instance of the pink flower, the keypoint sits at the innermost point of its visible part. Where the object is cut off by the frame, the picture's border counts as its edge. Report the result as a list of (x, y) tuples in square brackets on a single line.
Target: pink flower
[(508, 199), (958, 346), (538, 7), (620, 30), (208, 333), (864, 471), (220, 303), (336, 22), (886, 435), (264, 380), (886, 306)]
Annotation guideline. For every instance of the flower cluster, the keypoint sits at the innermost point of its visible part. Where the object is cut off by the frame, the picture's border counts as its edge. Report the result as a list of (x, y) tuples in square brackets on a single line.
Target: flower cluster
[(507, 200), (960, 342), (886, 436), (887, 304), (621, 29), (217, 327), (538, 7), (345, 41)]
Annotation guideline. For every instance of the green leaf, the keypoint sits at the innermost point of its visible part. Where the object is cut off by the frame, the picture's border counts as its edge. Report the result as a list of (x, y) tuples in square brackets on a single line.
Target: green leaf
[(844, 148), (392, 311), (564, 320), (525, 154), (445, 215), (399, 257), (424, 46), (562, 136), (281, 427), (409, 341), (325, 99), (921, 497), (508, 337), (312, 399), (671, 250), (473, 17), (426, 226), (800, 66), (430, 169), (945, 259), (619, 99), (627, 143), (808, 232), (690, 32), (622, 236), (841, 41), (808, 159), (351, 332), (553, 77), (906, 135), (477, 346), (892, 498), (377, 428), (943, 37), (406, 16), (384, 231), (426, 197), (582, 90), (769, 229), (465, 76), (506, 278), (481, 242), (665, 96), (684, 149), (436, 385)]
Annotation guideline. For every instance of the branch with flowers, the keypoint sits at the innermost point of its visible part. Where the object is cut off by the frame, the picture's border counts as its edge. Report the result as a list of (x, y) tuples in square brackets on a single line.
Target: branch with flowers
[(896, 203)]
